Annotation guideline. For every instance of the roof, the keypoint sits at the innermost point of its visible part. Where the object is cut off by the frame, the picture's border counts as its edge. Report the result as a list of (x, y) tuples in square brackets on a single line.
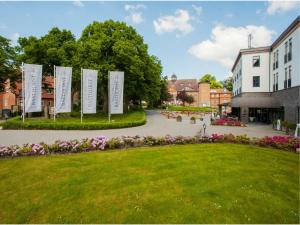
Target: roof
[(285, 33), (250, 51), (184, 84)]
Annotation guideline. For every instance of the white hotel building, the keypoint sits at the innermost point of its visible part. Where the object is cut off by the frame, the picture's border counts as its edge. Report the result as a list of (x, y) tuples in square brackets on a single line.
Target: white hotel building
[(266, 80)]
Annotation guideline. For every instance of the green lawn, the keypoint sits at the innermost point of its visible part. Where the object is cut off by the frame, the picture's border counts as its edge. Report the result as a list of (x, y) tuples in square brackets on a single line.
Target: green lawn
[(206, 183), (72, 122)]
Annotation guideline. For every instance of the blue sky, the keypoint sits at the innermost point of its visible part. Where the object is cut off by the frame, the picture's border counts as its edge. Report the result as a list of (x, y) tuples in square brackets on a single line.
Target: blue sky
[(190, 38)]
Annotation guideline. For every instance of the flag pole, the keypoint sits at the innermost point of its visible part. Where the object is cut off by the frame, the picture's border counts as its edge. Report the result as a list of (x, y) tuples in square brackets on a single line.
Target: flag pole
[(23, 93), (54, 108), (109, 115), (81, 115)]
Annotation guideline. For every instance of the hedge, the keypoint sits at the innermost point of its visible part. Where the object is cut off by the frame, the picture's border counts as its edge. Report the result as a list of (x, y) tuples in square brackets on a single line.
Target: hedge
[(16, 123)]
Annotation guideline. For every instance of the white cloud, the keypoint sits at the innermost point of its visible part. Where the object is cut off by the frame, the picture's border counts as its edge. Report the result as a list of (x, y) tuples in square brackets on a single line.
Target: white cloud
[(229, 15), (135, 15), (78, 3), (134, 7), (14, 38), (3, 26), (198, 9), (281, 6), (225, 43), (180, 22), (258, 11)]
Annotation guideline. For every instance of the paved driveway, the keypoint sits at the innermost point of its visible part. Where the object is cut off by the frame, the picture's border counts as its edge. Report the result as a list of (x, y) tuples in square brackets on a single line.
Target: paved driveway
[(157, 125)]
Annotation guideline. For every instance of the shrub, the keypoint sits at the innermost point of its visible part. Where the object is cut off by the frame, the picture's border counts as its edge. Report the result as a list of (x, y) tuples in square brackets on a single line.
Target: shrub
[(178, 118), (70, 122)]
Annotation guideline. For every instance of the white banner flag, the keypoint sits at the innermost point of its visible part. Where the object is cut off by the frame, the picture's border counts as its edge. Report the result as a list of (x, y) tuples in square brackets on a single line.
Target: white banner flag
[(89, 92), (63, 84), (33, 87), (116, 86)]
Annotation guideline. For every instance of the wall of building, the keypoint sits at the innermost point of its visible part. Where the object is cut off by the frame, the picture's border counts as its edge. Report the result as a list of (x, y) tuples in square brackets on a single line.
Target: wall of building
[(7, 100), (290, 100), (248, 71), (294, 63), (204, 94), (237, 78)]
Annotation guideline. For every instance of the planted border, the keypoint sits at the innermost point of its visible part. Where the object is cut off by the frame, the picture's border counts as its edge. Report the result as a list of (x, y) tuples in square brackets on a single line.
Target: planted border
[(287, 143)]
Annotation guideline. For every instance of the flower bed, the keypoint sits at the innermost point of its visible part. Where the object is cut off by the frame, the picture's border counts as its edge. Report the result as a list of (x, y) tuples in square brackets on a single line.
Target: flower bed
[(227, 122), (287, 143)]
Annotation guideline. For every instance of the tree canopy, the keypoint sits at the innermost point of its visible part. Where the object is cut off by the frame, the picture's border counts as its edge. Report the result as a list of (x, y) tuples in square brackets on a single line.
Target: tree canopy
[(227, 83), (184, 97), (103, 46), (208, 78), (8, 67)]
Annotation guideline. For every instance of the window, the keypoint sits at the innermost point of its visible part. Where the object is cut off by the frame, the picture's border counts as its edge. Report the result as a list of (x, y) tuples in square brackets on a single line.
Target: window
[(256, 61), (285, 78), (290, 77), (277, 53), (290, 50), (256, 81), (285, 52), (274, 60), (274, 82), (276, 86)]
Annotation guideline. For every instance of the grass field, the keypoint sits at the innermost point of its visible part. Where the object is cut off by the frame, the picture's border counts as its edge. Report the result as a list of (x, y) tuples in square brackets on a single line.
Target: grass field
[(207, 183), (190, 108), (72, 122)]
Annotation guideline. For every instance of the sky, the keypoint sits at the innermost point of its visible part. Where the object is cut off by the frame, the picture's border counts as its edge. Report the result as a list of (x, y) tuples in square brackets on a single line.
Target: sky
[(191, 38)]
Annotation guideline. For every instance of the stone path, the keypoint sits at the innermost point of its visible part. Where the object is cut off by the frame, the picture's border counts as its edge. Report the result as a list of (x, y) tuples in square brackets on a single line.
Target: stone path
[(157, 125)]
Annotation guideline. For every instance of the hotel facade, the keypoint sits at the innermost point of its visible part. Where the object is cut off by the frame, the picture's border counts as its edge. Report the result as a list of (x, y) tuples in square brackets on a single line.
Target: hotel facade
[(266, 80)]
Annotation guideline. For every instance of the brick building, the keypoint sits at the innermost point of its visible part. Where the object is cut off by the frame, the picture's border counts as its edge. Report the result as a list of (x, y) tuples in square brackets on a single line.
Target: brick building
[(11, 98), (202, 93)]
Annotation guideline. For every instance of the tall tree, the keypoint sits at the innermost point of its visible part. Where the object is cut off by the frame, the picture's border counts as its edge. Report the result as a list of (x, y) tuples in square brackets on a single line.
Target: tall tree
[(208, 78), (8, 67), (58, 47), (111, 45), (227, 83)]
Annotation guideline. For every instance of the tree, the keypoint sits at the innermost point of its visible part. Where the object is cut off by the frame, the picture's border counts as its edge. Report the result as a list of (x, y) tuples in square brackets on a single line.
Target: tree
[(8, 67), (164, 94), (58, 47), (184, 97), (189, 99), (103, 46), (208, 78), (110, 45), (227, 83)]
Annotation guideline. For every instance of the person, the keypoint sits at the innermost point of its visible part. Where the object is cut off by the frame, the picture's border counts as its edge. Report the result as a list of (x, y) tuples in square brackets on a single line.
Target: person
[(278, 125), (201, 126)]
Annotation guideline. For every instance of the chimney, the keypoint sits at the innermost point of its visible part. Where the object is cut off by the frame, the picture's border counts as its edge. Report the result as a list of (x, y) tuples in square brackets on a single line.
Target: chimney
[(250, 41)]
